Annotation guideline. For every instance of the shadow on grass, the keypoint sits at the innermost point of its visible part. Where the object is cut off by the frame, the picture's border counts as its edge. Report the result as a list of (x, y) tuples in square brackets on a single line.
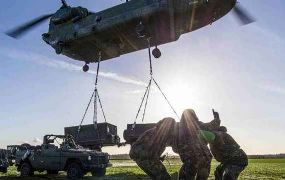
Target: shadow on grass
[(117, 176)]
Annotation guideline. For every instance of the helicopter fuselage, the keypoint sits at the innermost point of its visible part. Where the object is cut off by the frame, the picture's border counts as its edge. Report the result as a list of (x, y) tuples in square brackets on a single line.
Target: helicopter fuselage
[(123, 29)]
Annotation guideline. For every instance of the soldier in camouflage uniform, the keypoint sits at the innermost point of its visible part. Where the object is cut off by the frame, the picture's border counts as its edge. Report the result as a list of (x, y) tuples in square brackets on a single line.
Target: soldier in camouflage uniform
[(147, 150), (227, 151), (193, 151)]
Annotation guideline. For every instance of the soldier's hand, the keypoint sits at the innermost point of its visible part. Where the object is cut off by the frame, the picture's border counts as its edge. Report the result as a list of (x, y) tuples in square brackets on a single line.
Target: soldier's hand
[(216, 114)]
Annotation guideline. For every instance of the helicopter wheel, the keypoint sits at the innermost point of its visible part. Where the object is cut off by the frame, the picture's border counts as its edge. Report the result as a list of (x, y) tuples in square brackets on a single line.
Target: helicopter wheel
[(85, 68), (156, 53)]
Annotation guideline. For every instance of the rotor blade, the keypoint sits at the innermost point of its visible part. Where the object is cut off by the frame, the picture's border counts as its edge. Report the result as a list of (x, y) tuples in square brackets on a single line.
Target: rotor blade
[(242, 15), (21, 30)]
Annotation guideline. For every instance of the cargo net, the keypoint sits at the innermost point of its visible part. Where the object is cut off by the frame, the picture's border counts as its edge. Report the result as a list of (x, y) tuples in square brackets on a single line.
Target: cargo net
[(95, 98), (144, 102)]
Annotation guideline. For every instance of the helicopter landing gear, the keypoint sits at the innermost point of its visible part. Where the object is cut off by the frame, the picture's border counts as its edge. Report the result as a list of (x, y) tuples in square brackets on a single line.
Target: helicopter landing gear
[(156, 53), (85, 68)]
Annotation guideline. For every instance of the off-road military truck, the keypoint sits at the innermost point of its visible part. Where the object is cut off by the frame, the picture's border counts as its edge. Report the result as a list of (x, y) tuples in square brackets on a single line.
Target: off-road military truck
[(69, 157), (4, 164)]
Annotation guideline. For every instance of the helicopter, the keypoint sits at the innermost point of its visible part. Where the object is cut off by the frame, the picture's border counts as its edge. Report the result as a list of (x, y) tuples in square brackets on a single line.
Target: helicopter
[(81, 34)]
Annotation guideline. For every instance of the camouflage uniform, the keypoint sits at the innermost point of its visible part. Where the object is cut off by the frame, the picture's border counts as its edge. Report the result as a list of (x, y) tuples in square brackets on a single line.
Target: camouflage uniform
[(193, 152), (210, 126), (146, 151), (227, 151)]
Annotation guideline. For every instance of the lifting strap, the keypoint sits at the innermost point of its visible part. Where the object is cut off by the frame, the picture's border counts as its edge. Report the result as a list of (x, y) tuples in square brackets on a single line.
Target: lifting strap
[(97, 99), (148, 88)]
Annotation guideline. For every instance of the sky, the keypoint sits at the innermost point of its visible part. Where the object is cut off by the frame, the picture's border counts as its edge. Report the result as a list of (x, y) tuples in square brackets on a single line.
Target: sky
[(237, 70)]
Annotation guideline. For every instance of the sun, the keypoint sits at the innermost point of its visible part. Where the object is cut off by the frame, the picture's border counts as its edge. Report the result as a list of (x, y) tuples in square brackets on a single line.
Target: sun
[(184, 94)]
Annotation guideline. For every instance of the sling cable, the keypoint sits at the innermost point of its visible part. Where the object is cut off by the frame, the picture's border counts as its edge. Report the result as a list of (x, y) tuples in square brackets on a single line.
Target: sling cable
[(145, 97), (96, 99)]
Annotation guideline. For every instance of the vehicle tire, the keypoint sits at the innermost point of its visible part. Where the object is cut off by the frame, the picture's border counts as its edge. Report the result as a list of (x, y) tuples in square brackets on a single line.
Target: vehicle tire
[(98, 172), (74, 171), (26, 170), (52, 172)]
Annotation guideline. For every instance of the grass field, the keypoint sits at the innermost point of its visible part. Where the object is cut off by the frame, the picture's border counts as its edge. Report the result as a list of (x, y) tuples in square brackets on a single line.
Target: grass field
[(257, 169)]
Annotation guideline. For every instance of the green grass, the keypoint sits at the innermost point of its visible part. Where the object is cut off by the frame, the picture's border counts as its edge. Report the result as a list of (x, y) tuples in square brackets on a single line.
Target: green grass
[(127, 170)]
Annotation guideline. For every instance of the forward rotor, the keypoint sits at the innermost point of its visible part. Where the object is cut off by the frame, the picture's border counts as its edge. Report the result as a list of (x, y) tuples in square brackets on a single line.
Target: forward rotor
[(21, 30)]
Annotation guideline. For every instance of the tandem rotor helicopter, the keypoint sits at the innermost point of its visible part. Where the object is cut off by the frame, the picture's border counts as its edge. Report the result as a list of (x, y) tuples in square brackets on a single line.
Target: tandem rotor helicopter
[(80, 34)]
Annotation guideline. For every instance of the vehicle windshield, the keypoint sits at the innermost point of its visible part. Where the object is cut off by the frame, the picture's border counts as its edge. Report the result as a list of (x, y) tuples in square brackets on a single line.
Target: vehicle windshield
[(61, 141), (69, 141)]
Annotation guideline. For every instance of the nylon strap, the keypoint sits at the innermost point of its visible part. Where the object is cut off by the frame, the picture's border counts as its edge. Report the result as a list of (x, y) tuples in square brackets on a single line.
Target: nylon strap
[(148, 88), (97, 99)]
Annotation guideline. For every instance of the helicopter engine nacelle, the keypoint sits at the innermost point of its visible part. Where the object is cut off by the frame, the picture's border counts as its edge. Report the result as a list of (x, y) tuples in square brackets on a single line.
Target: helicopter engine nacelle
[(66, 14), (64, 17)]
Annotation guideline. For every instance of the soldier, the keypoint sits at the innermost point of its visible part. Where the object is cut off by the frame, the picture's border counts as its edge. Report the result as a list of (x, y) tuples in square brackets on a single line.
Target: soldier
[(227, 151), (147, 150), (193, 152)]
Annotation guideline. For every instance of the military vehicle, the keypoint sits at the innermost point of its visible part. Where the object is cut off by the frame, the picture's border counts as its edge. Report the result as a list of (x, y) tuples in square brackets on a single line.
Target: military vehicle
[(4, 163), (80, 34), (94, 136), (69, 157)]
